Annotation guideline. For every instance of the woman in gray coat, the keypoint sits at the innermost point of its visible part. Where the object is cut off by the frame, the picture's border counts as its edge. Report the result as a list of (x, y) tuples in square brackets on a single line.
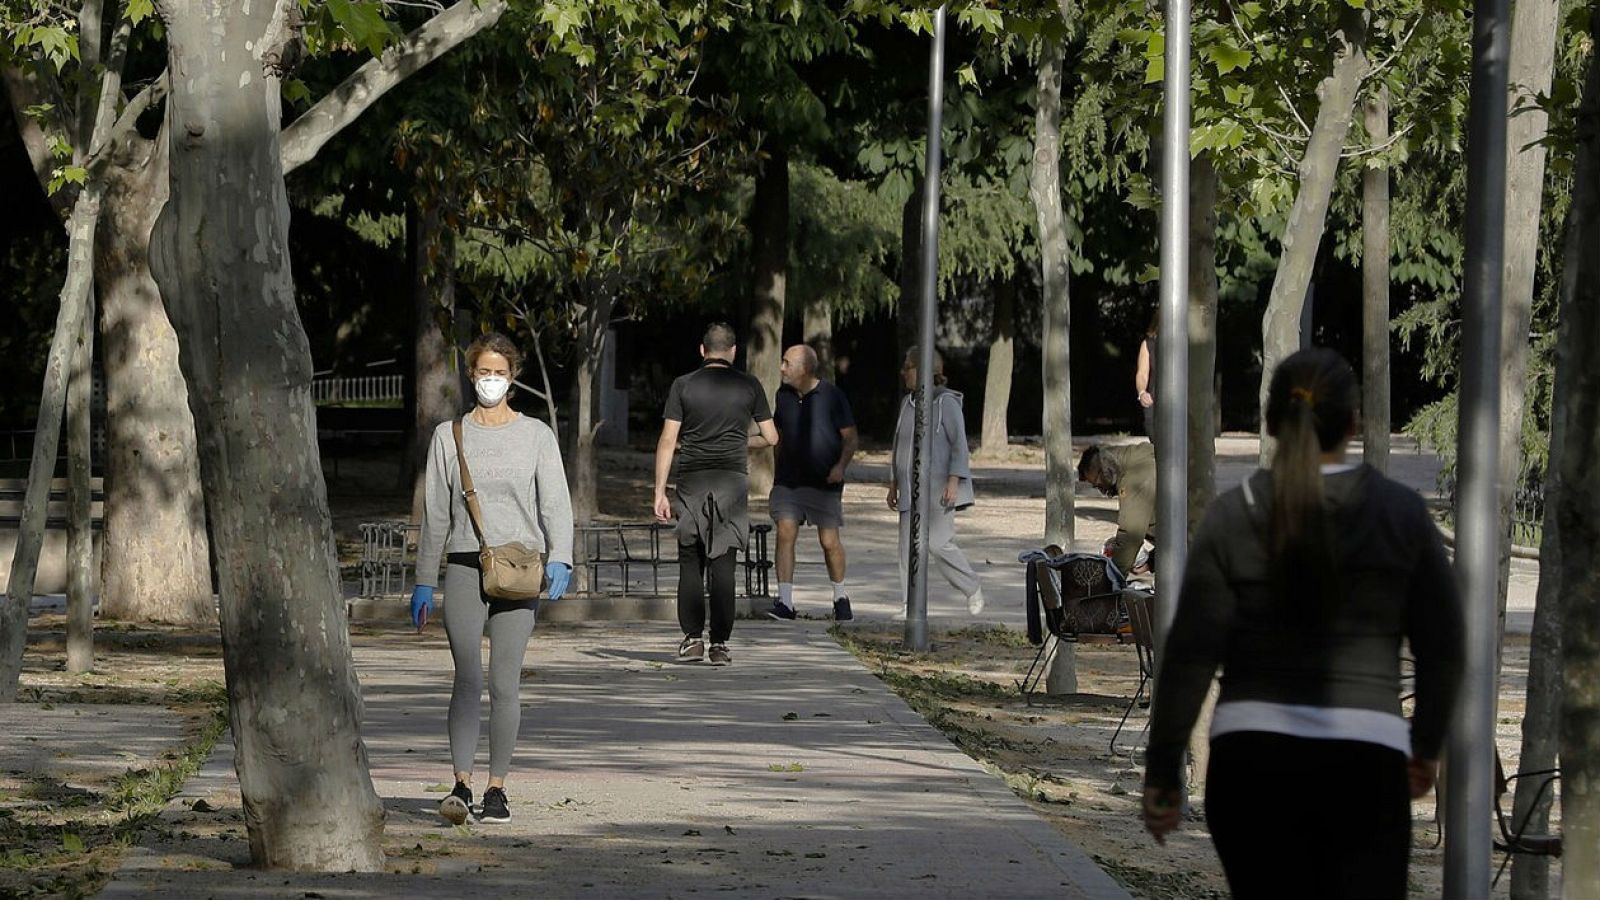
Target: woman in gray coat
[(951, 474)]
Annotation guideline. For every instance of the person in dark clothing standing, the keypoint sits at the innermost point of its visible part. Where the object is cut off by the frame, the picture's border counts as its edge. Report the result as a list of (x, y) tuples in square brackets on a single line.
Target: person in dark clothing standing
[(817, 437), (1301, 585), (707, 426)]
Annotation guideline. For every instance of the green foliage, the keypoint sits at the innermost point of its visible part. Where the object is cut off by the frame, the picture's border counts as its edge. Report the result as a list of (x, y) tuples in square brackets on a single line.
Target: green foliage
[(1428, 252), (576, 163), (844, 240)]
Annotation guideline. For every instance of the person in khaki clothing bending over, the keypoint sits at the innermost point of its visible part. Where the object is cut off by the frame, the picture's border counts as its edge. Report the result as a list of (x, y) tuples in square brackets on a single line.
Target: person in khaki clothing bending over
[(1129, 474)]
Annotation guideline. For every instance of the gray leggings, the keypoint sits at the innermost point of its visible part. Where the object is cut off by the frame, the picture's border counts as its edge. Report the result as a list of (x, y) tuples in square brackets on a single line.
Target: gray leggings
[(510, 625)]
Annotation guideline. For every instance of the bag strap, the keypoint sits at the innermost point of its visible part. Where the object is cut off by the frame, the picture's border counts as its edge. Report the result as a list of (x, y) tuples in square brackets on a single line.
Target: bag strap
[(470, 493)]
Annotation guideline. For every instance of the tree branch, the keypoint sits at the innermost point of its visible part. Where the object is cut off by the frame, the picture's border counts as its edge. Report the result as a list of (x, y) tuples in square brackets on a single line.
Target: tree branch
[(1400, 45), (153, 93), (305, 136), (99, 131), (91, 31)]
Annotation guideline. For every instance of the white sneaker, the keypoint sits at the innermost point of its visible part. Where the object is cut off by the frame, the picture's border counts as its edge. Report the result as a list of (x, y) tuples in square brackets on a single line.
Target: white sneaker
[(975, 602)]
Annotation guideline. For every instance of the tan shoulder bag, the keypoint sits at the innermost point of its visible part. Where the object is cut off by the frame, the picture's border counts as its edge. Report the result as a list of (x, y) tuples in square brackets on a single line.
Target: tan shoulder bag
[(510, 571)]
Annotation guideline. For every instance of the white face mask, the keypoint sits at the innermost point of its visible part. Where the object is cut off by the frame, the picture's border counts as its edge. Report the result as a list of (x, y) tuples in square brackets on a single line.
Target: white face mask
[(492, 389)]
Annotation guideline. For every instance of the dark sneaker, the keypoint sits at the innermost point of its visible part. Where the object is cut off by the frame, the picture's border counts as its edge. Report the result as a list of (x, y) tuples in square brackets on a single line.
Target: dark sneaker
[(495, 809), (692, 649), (458, 806), (781, 612), (719, 655), (841, 610)]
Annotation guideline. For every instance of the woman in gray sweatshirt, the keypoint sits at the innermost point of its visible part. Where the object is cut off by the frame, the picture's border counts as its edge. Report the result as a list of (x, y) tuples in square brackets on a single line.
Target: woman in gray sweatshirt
[(515, 465), (950, 480), (1302, 584)]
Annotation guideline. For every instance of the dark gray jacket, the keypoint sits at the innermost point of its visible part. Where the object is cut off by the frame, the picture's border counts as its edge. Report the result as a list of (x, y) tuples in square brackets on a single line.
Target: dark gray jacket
[(1395, 584)]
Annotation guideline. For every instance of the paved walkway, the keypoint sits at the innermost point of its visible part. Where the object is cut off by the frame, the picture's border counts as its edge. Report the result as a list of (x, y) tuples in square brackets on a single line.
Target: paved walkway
[(792, 773)]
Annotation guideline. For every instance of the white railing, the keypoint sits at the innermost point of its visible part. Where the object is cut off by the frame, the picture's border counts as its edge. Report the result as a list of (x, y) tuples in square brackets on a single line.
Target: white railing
[(366, 389)]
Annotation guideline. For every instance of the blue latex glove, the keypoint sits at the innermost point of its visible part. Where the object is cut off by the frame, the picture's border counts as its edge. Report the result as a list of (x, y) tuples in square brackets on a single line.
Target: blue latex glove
[(559, 576), (421, 605)]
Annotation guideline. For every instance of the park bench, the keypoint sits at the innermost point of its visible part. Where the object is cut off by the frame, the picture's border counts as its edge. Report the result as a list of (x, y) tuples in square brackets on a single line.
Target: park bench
[(388, 555), (52, 571), (1081, 598)]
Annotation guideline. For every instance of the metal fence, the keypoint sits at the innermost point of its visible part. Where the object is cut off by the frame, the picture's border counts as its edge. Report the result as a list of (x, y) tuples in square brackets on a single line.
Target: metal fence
[(619, 556), (1527, 509), (364, 389)]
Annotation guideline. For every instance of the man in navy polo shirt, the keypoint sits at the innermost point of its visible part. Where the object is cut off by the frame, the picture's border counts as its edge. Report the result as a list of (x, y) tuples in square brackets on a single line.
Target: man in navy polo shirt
[(817, 437)]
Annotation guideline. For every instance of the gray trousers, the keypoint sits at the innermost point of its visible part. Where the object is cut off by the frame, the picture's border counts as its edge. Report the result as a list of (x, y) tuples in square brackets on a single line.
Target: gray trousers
[(944, 556), (510, 624)]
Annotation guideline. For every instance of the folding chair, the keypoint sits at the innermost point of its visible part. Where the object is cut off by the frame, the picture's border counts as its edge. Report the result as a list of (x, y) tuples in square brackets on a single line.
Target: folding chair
[(1070, 597), (1142, 619), (1514, 838)]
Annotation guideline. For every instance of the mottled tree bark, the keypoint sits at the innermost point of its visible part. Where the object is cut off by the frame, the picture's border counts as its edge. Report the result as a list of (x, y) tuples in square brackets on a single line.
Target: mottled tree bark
[(1002, 362), (222, 261), (1575, 440), (1375, 414), (1534, 27), (70, 321), (769, 240), (1302, 233), (1202, 335), (156, 564), (80, 499), (435, 375), (1044, 187), (817, 331)]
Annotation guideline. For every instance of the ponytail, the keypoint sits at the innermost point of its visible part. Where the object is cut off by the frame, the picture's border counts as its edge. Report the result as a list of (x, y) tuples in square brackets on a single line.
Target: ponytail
[(1311, 407), (1296, 477)]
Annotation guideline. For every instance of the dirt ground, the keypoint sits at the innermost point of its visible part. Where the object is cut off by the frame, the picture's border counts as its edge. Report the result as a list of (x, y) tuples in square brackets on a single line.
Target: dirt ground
[(98, 755), (1055, 752)]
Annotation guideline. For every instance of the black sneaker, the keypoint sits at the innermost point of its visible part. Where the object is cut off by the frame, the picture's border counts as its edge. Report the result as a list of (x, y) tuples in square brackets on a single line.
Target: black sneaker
[(781, 612), (841, 610), (693, 649), (719, 655), (495, 810), (458, 806)]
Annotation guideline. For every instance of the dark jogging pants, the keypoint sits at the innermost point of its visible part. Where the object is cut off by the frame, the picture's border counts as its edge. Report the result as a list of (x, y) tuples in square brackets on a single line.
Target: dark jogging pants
[(698, 576), (1308, 818)]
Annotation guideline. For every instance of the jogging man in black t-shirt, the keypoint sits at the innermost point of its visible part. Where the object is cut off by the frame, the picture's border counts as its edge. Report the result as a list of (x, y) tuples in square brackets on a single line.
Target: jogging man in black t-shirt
[(817, 438), (707, 424)]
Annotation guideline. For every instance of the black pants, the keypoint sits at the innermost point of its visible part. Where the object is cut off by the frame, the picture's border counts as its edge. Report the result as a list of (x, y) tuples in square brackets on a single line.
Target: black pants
[(696, 576), (1297, 817)]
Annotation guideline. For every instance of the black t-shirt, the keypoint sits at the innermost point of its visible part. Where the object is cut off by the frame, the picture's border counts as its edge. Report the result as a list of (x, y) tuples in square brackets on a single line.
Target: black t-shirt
[(716, 404), (809, 442)]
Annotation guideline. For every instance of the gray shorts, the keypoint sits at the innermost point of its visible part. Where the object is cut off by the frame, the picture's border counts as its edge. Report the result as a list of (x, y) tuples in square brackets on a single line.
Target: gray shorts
[(807, 505)]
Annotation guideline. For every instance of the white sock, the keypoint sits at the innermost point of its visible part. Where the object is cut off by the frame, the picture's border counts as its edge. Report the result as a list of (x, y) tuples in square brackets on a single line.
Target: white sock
[(786, 594), (838, 590)]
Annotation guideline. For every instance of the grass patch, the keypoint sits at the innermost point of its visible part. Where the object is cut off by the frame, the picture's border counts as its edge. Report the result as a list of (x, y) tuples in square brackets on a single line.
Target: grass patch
[(993, 636), (70, 840)]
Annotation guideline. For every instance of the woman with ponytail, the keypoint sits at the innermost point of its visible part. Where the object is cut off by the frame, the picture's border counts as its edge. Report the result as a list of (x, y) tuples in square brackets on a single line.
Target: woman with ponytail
[(1301, 585)]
